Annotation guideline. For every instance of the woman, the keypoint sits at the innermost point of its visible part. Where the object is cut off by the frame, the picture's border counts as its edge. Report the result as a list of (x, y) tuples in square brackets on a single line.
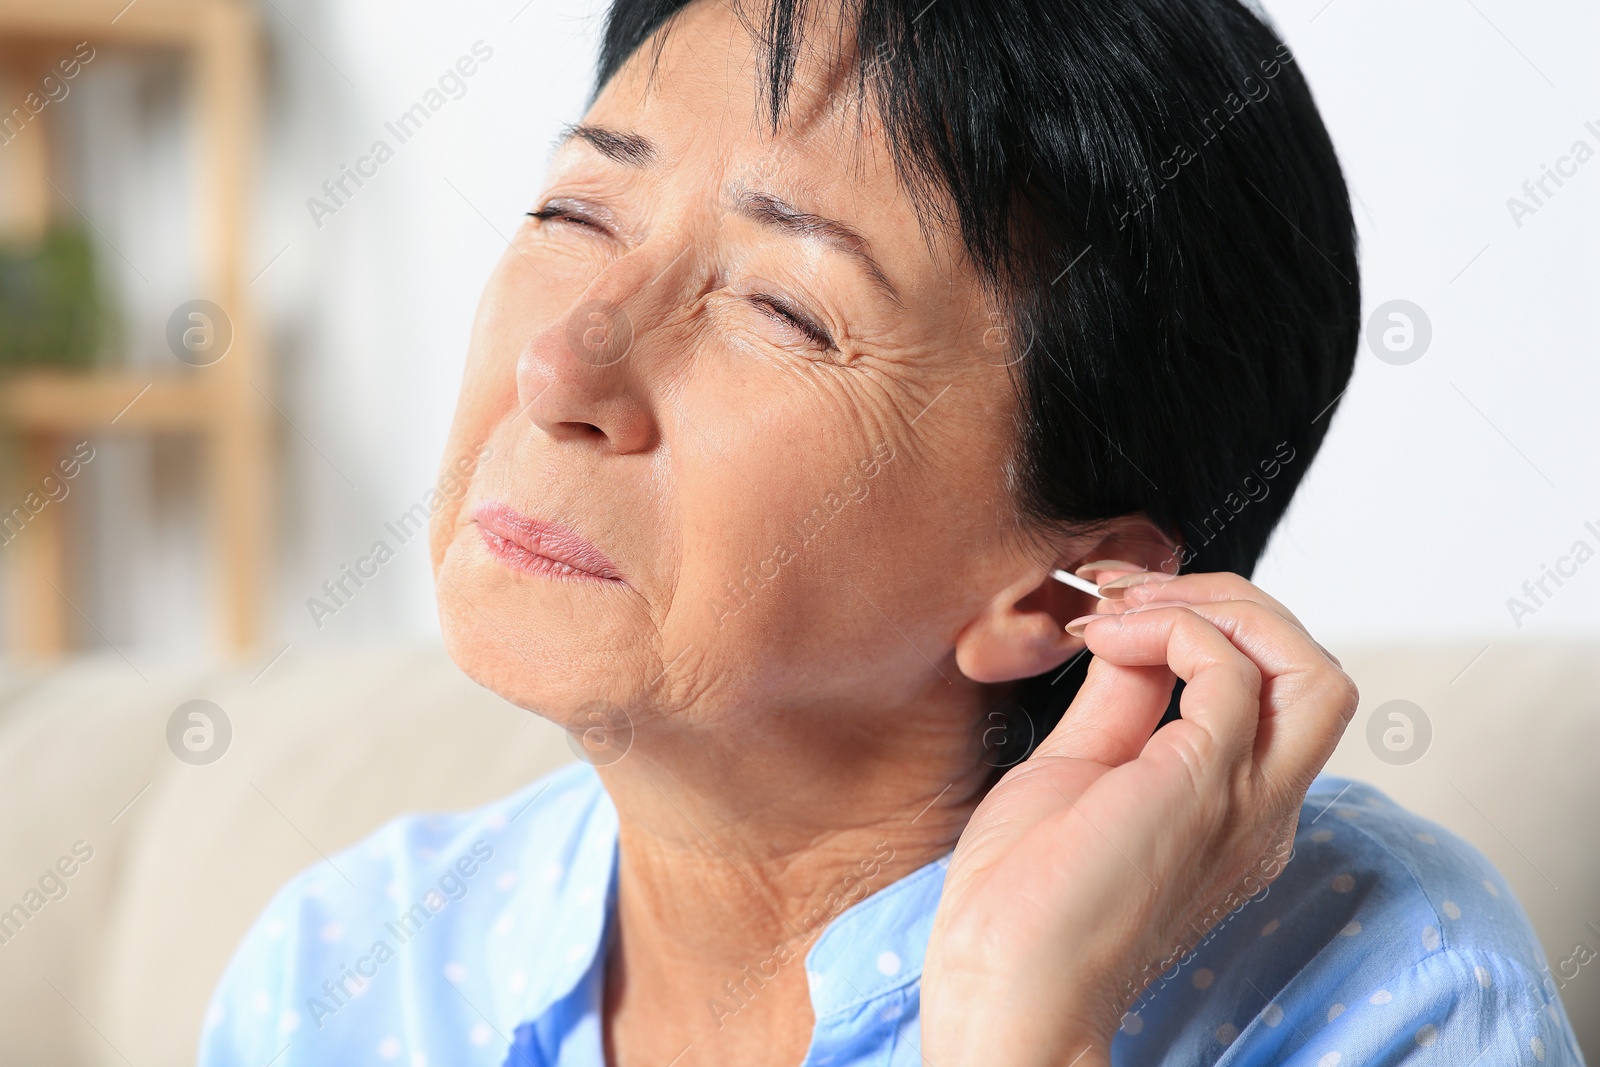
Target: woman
[(835, 331)]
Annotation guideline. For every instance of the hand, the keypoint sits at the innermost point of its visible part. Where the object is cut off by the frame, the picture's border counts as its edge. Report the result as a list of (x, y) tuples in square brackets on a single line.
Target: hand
[(1095, 863)]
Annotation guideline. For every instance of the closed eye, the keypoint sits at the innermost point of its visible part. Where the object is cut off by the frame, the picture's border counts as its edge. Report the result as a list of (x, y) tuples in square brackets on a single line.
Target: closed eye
[(781, 311), (570, 212), (775, 308)]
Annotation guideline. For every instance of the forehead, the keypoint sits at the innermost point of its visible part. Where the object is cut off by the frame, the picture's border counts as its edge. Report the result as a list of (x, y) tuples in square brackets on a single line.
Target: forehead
[(697, 93), (708, 54)]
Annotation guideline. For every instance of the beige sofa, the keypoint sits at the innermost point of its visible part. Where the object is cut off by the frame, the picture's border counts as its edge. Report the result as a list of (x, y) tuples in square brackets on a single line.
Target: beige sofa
[(116, 963)]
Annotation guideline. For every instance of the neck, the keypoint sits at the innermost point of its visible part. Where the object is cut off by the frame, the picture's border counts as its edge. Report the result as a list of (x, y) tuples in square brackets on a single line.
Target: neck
[(739, 842)]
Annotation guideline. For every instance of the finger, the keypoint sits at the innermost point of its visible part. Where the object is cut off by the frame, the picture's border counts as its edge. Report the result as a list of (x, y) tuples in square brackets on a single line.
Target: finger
[(1273, 643), (1306, 698), (1222, 691), (1112, 715), (1148, 587), (1105, 570)]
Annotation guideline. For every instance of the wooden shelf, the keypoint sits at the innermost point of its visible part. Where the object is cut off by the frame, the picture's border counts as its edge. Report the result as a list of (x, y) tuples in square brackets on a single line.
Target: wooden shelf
[(148, 22), (97, 401), (218, 405)]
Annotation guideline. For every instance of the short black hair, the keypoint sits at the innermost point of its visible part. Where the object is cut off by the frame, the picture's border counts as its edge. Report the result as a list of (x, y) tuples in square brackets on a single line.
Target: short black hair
[(1147, 189)]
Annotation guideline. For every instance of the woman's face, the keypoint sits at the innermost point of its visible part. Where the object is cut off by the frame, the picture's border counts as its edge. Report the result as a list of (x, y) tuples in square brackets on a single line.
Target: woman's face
[(759, 418)]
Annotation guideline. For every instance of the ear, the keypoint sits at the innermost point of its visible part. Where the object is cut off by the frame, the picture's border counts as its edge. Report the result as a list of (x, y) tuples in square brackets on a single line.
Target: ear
[(1020, 631)]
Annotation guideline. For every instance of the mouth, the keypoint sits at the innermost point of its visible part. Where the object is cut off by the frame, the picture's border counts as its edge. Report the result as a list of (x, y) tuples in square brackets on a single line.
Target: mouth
[(543, 548)]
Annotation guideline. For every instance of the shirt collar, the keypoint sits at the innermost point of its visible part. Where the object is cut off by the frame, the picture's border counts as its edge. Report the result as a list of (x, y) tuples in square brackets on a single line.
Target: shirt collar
[(582, 909), (876, 945), (869, 946)]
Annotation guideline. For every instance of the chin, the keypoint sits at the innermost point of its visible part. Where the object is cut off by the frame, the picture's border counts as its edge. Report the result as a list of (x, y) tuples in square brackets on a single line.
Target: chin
[(558, 648)]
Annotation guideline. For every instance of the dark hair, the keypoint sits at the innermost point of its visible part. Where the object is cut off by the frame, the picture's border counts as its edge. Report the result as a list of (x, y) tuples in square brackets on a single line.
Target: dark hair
[(1148, 191)]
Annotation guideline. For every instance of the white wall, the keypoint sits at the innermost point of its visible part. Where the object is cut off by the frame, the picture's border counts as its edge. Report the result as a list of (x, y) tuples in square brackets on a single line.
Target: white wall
[(1448, 482), (384, 289), (1444, 484)]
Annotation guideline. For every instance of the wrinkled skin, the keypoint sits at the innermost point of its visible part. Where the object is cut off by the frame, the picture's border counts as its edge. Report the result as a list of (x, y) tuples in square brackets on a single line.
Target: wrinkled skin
[(714, 397)]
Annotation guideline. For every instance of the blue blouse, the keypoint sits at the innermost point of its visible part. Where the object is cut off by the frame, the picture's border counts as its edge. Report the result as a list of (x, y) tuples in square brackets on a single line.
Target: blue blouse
[(477, 940)]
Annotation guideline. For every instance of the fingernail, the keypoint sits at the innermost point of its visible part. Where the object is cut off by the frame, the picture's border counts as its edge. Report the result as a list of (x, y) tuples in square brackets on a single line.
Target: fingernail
[(1116, 587), (1076, 627), (1106, 565)]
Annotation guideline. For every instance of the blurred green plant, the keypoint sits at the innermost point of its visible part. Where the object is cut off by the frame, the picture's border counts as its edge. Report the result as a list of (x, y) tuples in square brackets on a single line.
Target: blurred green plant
[(52, 312)]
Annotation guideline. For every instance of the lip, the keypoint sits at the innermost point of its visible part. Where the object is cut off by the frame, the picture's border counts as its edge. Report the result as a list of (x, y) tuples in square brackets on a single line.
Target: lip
[(543, 548)]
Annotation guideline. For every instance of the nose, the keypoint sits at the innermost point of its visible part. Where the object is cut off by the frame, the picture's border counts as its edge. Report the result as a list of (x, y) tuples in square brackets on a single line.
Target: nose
[(578, 379)]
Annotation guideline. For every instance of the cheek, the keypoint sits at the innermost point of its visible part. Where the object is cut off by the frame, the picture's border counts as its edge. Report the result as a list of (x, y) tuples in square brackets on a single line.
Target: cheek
[(794, 488)]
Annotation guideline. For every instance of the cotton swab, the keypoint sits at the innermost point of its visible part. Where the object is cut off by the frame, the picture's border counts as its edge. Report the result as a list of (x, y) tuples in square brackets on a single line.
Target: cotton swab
[(1080, 584)]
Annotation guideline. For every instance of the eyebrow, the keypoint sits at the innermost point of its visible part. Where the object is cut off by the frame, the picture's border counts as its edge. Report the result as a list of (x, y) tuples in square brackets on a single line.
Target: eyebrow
[(629, 149), (633, 150), (769, 210)]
